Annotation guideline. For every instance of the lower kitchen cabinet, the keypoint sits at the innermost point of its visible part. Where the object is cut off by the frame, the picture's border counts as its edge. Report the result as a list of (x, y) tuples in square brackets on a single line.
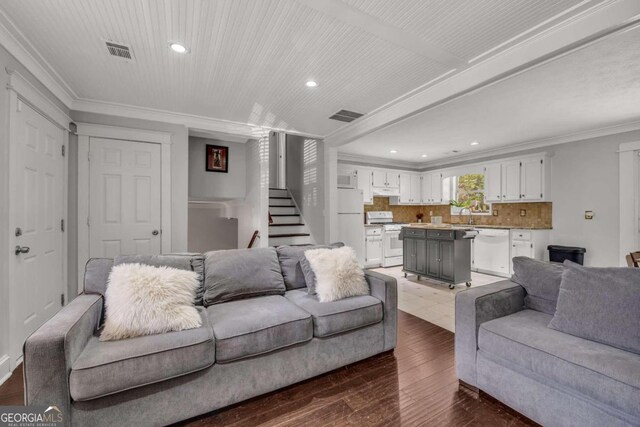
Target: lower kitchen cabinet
[(441, 255)]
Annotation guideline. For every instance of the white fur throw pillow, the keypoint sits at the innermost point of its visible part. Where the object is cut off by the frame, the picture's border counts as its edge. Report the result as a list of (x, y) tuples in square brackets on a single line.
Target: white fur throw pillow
[(338, 274), (146, 300)]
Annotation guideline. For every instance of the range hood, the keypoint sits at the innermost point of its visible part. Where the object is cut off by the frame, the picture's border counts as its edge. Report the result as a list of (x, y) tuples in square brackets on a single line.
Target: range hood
[(386, 192)]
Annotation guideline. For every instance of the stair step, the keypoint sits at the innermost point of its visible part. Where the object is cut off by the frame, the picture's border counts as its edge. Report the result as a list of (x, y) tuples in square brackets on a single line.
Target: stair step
[(289, 235), (285, 214), (291, 224), (283, 210), (279, 192), (274, 197)]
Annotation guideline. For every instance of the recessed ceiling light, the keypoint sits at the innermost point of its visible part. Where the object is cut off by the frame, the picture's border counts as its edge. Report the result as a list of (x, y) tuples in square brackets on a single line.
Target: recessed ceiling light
[(475, 143), (311, 83), (178, 47), (424, 155), (393, 151)]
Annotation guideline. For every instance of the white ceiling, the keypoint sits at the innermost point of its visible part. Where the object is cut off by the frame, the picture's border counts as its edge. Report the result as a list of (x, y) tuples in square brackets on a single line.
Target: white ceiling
[(594, 87), (250, 59)]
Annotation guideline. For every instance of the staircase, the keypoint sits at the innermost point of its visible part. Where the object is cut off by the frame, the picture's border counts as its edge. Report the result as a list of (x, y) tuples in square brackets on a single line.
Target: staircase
[(288, 227)]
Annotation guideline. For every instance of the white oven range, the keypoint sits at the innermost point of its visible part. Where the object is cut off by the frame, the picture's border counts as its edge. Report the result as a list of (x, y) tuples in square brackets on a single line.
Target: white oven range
[(391, 244)]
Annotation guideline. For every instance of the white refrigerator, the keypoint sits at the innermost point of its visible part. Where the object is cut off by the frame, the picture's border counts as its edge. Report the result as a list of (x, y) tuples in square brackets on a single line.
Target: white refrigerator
[(351, 220)]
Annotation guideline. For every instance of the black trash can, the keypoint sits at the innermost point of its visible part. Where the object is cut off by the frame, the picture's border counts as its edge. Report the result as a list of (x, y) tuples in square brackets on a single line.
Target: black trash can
[(560, 253)]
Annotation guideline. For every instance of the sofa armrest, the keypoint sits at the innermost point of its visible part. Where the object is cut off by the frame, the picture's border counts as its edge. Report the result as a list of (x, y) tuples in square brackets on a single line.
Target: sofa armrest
[(50, 351), (474, 307), (385, 288)]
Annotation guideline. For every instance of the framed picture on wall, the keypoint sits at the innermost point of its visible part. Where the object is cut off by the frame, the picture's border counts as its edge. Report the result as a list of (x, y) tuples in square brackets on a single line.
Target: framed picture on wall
[(217, 158)]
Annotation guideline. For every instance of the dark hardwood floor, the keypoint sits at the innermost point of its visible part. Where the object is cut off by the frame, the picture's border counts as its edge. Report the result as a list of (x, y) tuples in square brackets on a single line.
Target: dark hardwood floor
[(415, 385)]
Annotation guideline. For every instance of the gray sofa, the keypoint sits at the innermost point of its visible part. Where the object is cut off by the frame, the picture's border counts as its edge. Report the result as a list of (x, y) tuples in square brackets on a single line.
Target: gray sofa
[(245, 348), (551, 377)]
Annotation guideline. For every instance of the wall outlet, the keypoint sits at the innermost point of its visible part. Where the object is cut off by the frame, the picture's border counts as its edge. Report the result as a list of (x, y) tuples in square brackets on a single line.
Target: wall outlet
[(523, 212), (495, 212), (588, 214)]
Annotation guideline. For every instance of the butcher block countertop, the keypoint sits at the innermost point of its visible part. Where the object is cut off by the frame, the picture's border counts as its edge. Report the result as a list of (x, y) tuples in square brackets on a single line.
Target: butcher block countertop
[(429, 226)]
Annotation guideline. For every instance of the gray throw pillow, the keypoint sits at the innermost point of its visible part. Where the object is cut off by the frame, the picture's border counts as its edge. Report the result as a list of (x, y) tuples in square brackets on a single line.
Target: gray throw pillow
[(241, 273), (187, 261), (600, 304), (307, 271), (541, 280), (289, 258)]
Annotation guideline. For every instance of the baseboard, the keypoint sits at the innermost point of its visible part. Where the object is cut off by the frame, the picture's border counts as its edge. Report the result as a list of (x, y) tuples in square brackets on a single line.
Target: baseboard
[(5, 370)]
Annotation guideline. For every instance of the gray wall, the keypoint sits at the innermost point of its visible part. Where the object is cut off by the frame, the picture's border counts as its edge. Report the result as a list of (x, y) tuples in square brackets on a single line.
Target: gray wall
[(6, 60), (306, 181), (205, 185)]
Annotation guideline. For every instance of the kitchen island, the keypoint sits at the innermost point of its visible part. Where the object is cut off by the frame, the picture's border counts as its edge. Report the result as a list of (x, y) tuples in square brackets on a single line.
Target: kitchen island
[(440, 252)]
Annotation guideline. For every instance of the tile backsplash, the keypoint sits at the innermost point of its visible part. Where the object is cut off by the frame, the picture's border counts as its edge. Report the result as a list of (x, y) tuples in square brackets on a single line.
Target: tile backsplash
[(537, 214)]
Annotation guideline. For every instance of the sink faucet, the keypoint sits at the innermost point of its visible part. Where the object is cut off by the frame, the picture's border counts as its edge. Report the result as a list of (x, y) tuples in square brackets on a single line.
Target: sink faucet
[(470, 221)]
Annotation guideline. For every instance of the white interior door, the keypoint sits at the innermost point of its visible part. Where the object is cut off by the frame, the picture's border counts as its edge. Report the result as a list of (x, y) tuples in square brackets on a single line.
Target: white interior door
[(124, 198), (37, 194)]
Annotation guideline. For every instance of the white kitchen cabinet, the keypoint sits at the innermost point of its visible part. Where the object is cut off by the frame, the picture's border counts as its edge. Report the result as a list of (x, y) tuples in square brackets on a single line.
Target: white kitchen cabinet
[(385, 179), (436, 188), (365, 183), (511, 181), (532, 179), (493, 183), (410, 190), (373, 247), (426, 188), (528, 243)]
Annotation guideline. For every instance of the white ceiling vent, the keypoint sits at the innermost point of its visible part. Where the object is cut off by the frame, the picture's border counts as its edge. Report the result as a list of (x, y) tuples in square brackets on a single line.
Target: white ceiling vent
[(120, 51)]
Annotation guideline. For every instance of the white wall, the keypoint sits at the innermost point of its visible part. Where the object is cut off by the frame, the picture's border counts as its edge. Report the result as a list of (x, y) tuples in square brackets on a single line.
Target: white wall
[(6, 60), (306, 182), (205, 185), (253, 213), (179, 167)]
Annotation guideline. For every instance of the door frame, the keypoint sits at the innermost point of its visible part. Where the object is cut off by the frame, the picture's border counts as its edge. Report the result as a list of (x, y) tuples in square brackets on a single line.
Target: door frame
[(21, 91), (629, 199), (85, 132)]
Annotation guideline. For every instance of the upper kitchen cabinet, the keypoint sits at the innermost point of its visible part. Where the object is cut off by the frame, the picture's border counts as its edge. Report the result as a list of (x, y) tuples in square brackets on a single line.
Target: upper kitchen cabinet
[(386, 179), (532, 179), (493, 183), (511, 181), (432, 188), (410, 190), (365, 183), (516, 180)]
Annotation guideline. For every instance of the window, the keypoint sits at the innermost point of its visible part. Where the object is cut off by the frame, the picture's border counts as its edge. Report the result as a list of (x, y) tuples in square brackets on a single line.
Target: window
[(467, 191)]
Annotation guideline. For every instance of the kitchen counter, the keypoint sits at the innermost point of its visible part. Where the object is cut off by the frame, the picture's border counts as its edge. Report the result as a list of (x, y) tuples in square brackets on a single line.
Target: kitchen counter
[(372, 225), (471, 227)]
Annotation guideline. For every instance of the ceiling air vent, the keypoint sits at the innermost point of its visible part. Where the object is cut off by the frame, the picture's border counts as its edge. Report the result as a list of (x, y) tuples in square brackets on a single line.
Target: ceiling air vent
[(345, 116), (120, 51)]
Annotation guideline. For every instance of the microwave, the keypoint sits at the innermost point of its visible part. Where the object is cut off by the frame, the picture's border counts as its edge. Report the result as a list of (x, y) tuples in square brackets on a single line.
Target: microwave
[(347, 180)]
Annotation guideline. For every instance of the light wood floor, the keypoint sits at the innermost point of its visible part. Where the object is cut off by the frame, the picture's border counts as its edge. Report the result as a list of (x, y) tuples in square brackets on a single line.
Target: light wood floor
[(415, 385)]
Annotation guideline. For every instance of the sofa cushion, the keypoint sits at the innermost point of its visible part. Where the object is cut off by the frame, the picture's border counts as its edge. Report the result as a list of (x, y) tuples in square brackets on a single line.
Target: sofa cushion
[(241, 273), (254, 326), (188, 261), (522, 341), (107, 367), (292, 260), (334, 317), (600, 304), (541, 280)]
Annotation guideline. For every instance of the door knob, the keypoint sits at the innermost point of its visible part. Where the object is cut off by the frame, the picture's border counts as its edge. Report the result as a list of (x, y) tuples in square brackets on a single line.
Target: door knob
[(155, 232), (22, 250)]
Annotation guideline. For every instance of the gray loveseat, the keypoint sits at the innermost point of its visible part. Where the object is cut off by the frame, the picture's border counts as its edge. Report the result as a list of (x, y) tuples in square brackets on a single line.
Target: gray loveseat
[(555, 379), (245, 347)]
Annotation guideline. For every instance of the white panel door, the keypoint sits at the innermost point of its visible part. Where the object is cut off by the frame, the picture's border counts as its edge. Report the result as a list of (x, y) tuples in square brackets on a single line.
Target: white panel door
[(124, 198), (493, 183), (365, 184), (36, 209), (531, 179), (511, 181)]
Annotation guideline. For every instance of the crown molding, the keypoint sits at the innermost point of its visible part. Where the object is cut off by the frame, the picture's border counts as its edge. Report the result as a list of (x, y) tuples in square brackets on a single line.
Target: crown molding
[(377, 161), (19, 47), (564, 36), (534, 144)]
